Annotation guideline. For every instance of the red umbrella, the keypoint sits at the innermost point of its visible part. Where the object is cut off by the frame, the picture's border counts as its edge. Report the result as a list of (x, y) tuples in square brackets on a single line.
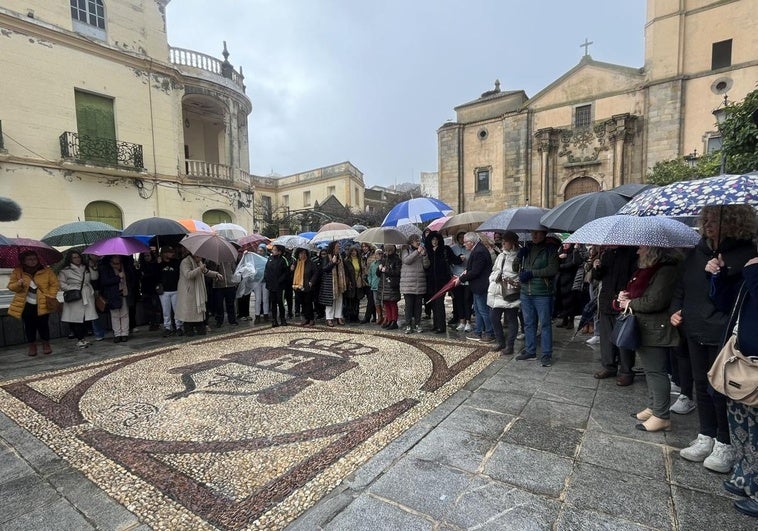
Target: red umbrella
[(447, 287), (251, 241), (9, 253)]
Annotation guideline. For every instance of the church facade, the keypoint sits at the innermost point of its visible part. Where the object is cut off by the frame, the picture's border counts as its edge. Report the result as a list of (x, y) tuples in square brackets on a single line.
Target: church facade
[(601, 125)]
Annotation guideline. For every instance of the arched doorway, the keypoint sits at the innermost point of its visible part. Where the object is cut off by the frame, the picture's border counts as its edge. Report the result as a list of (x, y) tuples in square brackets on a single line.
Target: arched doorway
[(104, 212), (214, 217), (581, 185)]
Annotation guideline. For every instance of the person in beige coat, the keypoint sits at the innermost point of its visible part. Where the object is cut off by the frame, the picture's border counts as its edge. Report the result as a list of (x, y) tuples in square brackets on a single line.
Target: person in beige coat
[(191, 294)]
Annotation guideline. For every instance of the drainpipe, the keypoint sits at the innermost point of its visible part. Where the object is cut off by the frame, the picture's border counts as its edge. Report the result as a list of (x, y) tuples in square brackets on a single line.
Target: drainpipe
[(152, 134)]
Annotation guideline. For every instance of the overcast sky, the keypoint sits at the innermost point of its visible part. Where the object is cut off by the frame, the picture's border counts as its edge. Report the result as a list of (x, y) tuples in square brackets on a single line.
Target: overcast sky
[(372, 81)]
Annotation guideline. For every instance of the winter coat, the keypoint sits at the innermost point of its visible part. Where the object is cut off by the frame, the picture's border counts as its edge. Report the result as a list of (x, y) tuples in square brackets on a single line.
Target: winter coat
[(149, 277), (191, 294), (226, 269), (652, 309), (542, 260), (310, 275), (616, 269), (84, 309), (47, 285), (354, 279), (459, 251), (326, 284), (110, 283), (389, 284), (478, 268), (169, 274), (276, 276), (373, 275), (441, 261), (502, 271), (413, 273), (702, 321)]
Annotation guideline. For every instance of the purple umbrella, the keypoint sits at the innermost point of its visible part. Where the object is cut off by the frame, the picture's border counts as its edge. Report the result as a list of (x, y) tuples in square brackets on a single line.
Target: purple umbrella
[(119, 245)]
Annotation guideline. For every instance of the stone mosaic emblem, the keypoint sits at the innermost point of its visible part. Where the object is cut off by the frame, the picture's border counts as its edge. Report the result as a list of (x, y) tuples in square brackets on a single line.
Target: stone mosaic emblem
[(241, 431)]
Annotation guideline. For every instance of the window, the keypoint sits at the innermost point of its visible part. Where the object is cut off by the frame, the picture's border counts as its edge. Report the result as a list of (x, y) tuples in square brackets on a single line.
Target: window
[(214, 217), (330, 190), (96, 127), (721, 54), (482, 180), (104, 212), (286, 200), (713, 143), (307, 198), (90, 12), (582, 116)]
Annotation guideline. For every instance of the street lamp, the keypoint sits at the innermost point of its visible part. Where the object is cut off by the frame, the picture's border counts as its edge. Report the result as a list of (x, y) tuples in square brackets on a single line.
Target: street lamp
[(691, 159), (720, 114)]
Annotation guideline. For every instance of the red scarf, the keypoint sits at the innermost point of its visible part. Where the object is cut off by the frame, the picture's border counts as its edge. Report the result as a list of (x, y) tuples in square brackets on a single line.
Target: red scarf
[(641, 280)]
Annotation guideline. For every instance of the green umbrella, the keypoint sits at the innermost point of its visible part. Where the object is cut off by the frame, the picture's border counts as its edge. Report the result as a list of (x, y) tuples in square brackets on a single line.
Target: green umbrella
[(80, 233)]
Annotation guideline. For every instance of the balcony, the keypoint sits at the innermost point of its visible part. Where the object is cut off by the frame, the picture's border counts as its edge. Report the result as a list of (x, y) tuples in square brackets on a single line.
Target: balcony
[(205, 63), (213, 173), (101, 151)]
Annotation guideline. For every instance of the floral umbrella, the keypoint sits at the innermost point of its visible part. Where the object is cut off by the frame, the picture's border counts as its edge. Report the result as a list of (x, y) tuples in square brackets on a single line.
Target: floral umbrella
[(9, 253), (653, 231), (80, 233), (408, 229)]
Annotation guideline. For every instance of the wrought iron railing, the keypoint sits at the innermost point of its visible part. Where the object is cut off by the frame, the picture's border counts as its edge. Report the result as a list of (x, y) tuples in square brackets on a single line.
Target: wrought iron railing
[(96, 150)]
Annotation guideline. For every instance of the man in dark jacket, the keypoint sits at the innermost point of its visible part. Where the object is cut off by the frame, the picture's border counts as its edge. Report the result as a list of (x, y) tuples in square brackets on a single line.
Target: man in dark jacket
[(441, 258), (477, 274), (275, 277), (537, 265)]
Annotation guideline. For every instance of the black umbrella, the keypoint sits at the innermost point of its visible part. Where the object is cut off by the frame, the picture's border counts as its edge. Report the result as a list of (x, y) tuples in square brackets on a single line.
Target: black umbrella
[(629, 190), (155, 227), (581, 209)]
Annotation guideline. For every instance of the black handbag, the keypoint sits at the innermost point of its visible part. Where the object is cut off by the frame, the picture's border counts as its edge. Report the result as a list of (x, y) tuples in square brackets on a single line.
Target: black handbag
[(72, 295), (626, 332)]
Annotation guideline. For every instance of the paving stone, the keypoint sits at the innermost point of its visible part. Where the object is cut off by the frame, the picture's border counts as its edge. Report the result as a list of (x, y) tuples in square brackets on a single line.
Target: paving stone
[(623, 454), (505, 401), (13, 467), (577, 379), (424, 486), (695, 476), (572, 519), (616, 423), (323, 512), (487, 424), (21, 494), (699, 510), (556, 414), (58, 516), (456, 448), (559, 440), (531, 470), (621, 495), (367, 512), (565, 393), (494, 505)]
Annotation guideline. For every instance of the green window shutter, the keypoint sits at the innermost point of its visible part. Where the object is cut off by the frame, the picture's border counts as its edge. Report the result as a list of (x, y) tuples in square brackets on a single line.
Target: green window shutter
[(214, 217), (96, 127), (105, 212)]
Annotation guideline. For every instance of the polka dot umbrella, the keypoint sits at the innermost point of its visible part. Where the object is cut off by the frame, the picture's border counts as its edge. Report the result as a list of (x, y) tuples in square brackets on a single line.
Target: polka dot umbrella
[(632, 231)]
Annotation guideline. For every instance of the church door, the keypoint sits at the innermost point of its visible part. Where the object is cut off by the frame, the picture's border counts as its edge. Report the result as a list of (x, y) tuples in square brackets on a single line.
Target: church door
[(579, 186)]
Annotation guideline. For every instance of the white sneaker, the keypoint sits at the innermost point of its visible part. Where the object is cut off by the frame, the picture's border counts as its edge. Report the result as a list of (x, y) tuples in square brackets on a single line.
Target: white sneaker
[(82, 344), (698, 449), (721, 459), (675, 389), (467, 328), (594, 340), (683, 405), (419, 329), (520, 336), (408, 329), (460, 327)]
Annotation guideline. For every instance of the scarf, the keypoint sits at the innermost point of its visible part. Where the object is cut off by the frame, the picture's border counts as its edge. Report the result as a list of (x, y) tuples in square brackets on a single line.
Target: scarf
[(641, 280), (339, 282), (297, 280), (356, 267)]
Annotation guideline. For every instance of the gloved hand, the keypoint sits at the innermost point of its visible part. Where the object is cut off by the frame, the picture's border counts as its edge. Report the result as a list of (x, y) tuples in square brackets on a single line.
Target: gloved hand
[(522, 253), (525, 276)]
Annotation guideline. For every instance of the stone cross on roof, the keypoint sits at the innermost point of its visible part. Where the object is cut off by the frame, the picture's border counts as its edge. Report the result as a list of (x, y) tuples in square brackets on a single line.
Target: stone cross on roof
[(586, 46)]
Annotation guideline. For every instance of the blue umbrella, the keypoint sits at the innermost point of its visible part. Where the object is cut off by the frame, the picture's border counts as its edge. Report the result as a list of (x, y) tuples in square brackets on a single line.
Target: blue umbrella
[(418, 210), (5, 241), (633, 231), (308, 235)]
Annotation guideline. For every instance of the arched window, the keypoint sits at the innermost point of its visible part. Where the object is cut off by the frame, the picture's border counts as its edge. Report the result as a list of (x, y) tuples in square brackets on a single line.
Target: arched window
[(582, 185), (214, 217), (105, 212), (90, 12)]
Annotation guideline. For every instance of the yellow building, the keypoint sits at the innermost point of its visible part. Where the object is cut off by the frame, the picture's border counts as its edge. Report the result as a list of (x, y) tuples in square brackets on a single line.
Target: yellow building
[(101, 119), (601, 125)]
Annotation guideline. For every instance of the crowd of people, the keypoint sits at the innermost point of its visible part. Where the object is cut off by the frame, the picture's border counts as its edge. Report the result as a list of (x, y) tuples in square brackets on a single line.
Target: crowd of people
[(502, 291)]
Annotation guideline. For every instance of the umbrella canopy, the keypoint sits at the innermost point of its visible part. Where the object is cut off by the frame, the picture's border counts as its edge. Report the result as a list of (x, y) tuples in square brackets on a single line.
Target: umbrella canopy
[(194, 225), (409, 229), (210, 246), (291, 241), (418, 210), (260, 265), (653, 231), (629, 190), (154, 227), (517, 219), (334, 231), (467, 221), (307, 235), (360, 228), (382, 236), (124, 246), (80, 233), (252, 240), (581, 209), (687, 198), (437, 223), (9, 209), (9, 253), (230, 231), (5, 241)]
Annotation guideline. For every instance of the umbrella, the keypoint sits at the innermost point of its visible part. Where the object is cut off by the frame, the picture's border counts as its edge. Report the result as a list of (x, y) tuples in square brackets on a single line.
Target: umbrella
[(334, 231), (307, 235), (124, 246), (9, 253), (252, 240), (467, 221), (360, 228), (581, 209), (154, 227), (653, 231), (230, 231), (517, 219), (210, 246), (5, 241), (9, 209), (629, 190), (194, 225), (437, 223), (447, 287), (409, 229), (292, 241), (687, 198), (382, 236), (80, 233), (418, 210)]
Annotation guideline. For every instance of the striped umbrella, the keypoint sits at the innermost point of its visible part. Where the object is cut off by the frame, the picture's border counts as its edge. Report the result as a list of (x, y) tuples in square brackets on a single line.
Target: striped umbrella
[(418, 210), (194, 225)]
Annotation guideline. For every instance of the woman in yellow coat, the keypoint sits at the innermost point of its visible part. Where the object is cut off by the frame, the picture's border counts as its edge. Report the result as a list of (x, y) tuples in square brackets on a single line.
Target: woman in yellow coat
[(33, 283)]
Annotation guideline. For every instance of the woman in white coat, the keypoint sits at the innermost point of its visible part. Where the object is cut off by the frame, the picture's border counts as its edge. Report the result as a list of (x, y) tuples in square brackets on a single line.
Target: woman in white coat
[(503, 294), (75, 275)]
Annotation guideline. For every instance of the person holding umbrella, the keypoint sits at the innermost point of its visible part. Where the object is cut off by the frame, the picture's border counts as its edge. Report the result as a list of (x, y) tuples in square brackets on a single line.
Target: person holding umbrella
[(191, 293), (390, 269), (477, 273), (116, 285), (413, 281), (503, 294), (304, 279), (75, 277), (276, 276), (441, 258), (333, 283), (32, 283)]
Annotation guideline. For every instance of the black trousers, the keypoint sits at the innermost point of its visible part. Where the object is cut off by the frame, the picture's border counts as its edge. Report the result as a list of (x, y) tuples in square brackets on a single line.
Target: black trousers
[(463, 300), (370, 305), (304, 300), (225, 300), (35, 324), (711, 406), (243, 306), (613, 358), (437, 307), (412, 309), (276, 304)]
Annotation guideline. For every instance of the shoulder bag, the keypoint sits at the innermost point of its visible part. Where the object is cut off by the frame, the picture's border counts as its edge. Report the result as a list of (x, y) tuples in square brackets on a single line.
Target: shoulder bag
[(735, 375), (71, 295), (626, 332)]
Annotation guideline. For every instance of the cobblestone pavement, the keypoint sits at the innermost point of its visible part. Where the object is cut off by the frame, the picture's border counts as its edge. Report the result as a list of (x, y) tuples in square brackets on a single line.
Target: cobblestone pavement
[(389, 431)]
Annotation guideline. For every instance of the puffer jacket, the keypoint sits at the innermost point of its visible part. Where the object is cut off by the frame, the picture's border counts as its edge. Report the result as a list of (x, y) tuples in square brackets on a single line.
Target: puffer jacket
[(652, 309), (47, 285), (389, 280), (503, 269), (413, 273)]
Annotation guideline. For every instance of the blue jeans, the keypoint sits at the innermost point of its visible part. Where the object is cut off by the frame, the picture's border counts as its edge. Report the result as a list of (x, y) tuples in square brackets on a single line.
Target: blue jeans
[(537, 308), (483, 322)]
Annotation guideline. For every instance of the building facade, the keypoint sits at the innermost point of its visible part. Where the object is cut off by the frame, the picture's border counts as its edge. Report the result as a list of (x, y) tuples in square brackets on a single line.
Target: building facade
[(601, 125), (103, 120)]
